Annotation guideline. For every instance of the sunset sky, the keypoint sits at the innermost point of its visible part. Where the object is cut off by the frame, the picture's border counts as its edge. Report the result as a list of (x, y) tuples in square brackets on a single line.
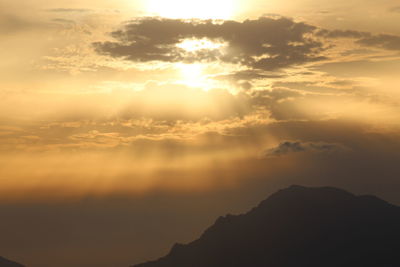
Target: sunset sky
[(128, 125)]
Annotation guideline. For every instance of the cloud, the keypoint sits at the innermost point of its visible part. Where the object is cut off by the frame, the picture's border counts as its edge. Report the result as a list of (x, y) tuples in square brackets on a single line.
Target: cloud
[(395, 9), (342, 33), (288, 147), (69, 10), (265, 43), (63, 21), (244, 78), (249, 75), (298, 101), (385, 41), (10, 24)]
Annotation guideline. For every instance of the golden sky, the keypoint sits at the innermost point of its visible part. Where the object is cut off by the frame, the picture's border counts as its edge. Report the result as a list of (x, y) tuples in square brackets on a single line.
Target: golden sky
[(142, 100)]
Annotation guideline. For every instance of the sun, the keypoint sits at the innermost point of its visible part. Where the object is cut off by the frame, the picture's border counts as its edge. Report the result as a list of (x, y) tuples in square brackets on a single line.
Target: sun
[(193, 75), (188, 9)]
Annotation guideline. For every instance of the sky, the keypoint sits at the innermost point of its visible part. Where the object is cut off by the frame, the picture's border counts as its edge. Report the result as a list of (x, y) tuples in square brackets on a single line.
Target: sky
[(129, 125)]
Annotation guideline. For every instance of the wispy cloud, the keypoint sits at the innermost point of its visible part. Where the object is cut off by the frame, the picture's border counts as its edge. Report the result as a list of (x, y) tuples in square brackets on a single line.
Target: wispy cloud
[(69, 10), (395, 9)]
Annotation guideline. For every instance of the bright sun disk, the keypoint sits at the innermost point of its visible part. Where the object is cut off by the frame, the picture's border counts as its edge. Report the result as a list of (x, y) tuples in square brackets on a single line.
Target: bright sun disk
[(193, 75)]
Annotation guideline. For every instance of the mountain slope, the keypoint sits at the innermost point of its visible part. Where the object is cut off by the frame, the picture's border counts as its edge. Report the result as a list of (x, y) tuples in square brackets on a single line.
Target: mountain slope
[(7, 263), (298, 226)]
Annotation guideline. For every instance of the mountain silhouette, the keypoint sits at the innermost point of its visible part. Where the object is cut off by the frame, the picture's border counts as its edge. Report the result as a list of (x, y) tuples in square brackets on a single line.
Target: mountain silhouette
[(298, 226), (7, 263)]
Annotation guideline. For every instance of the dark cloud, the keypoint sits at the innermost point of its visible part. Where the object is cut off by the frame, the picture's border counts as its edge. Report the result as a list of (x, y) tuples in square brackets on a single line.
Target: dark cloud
[(265, 43), (297, 146), (286, 147)]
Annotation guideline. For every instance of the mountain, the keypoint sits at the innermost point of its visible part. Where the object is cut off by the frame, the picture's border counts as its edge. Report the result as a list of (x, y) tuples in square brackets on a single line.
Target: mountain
[(296, 227), (7, 263)]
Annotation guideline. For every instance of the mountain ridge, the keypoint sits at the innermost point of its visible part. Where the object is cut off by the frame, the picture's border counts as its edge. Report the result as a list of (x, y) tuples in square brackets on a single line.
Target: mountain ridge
[(8, 263), (311, 225)]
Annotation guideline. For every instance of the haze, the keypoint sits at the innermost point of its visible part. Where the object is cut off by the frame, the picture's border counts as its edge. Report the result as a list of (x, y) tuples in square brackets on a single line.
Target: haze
[(126, 126)]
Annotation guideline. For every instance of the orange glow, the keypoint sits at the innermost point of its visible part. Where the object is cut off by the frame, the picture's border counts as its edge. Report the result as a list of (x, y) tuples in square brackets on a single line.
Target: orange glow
[(206, 9)]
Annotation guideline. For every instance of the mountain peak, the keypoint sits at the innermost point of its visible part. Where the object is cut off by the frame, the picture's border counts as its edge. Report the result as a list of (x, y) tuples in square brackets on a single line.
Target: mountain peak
[(298, 226), (323, 192), (299, 198)]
